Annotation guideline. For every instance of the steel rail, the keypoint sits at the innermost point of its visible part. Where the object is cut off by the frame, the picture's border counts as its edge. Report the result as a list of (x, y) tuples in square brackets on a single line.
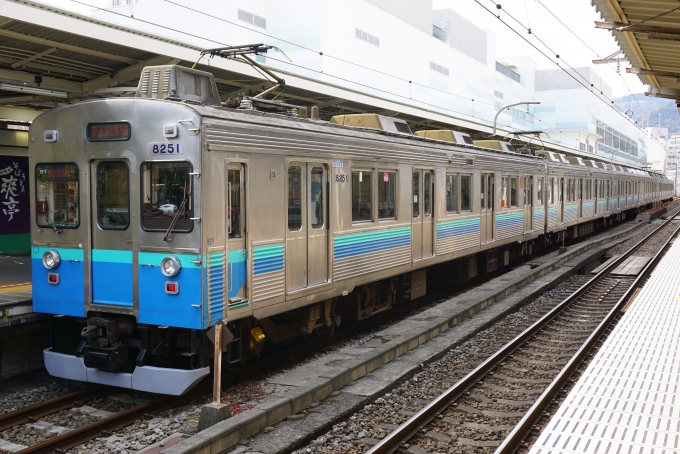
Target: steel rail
[(519, 433), (51, 406), (86, 433), (408, 429)]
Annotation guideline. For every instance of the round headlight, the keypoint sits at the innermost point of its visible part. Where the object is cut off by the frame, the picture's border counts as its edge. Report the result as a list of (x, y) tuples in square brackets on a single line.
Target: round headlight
[(170, 266), (51, 259)]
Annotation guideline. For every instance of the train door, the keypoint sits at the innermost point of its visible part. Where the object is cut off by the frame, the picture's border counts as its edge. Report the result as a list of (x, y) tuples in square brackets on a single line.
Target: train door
[(487, 220), (111, 259), (423, 226), (528, 203), (307, 225), (237, 255)]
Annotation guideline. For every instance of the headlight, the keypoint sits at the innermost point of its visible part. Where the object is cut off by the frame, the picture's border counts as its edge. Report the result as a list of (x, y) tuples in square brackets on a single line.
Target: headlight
[(51, 259), (170, 266)]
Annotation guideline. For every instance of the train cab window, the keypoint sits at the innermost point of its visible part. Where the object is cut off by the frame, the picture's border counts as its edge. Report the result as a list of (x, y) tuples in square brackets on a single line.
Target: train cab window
[(465, 192), (57, 195), (514, 191), (387, 189), (167, 196), (234, 204), (452, 193), (362, 196), (294, 198), (113, 196), (539, 191)]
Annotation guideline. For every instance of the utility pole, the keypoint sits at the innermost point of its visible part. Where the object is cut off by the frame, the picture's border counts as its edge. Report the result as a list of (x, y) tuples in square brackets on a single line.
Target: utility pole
[(495, 119)]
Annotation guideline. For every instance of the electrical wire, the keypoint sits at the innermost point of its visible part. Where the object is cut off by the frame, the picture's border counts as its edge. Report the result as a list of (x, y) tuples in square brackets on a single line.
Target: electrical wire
[(611, 104), (309, 69), (594, 52)]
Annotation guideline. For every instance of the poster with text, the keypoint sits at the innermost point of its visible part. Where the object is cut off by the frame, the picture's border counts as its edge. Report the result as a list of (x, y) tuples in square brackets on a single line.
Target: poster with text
[(14, 195)]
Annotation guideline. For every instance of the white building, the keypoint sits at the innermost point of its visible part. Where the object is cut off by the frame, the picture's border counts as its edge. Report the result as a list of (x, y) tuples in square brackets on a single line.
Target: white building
[(405, 51), (672, 160)]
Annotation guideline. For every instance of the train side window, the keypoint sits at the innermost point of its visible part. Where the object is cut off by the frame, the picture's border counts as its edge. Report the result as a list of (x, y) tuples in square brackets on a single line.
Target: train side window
[(113, 196), (452, 193), (415, 183), (294, 198), (465, 191), (57, 195), (167, 196), (514, 191), (316, 195), (387, 190), (504, 192), (362, 196), (539, 189), (235, 218), (427, 194)]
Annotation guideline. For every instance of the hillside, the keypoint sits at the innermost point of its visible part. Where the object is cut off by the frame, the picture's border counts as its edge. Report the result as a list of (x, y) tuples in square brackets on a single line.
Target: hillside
[(652, 111)]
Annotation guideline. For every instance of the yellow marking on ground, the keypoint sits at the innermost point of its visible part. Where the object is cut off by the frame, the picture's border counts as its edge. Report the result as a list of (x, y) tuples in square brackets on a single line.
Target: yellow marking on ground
[(15, 288)]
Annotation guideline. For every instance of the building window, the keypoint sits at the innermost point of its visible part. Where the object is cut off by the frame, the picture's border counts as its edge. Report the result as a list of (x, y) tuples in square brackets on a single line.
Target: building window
[(437, 33), (582, 146), (370, 39), (498, 94), (451, 193), (122, 2), (387, 189), (439, 69), (507, 72), (465, 192), (361, 196), (252, 19)]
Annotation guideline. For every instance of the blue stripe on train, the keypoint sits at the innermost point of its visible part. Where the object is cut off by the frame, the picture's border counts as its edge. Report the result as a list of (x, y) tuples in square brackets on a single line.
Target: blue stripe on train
[(349, 250)]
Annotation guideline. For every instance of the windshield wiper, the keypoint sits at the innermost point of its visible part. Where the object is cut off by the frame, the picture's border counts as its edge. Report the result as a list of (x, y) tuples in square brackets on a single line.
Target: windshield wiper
[(49, 220), (174, 219)]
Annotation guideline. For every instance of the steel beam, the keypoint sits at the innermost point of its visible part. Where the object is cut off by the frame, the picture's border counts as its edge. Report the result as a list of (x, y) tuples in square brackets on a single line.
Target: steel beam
[(33, 57), (651, 72), (69, 47)]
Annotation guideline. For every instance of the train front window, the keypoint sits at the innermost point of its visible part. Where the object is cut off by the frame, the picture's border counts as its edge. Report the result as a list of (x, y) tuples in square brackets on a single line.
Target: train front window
[(166, 195), (57, 195), (113, 196)]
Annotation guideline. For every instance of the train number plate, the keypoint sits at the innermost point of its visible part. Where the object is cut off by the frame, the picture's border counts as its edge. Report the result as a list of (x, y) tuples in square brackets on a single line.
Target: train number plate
[(165, 149)]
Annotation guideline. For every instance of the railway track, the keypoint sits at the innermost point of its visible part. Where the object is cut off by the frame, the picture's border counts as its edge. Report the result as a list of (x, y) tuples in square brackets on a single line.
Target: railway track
[(104, 426), (497, 405)]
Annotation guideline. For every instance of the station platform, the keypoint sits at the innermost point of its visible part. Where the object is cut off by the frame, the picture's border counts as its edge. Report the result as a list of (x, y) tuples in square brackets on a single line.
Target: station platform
[(15, 286), (628, 399)]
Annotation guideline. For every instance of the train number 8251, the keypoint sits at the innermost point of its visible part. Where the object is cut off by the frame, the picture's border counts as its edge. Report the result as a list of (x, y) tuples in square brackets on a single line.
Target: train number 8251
[(159, 148)]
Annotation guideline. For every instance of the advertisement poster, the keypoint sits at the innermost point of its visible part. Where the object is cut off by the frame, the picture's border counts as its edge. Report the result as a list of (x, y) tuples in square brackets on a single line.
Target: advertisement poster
[(14, 195)]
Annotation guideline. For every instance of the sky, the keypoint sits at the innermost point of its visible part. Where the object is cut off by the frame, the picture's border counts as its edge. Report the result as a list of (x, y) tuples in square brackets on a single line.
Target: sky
[(578, 15)]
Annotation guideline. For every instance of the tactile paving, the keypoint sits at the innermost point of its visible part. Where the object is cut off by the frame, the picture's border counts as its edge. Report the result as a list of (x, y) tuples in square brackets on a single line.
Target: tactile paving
[(627, 401)]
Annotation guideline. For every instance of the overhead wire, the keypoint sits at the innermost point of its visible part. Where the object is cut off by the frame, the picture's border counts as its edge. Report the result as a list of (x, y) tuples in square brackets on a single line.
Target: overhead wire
[(306, 68), (611, 103)]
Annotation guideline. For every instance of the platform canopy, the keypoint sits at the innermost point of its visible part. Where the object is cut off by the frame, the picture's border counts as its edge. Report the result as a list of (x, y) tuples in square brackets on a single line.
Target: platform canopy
[(648, 33)]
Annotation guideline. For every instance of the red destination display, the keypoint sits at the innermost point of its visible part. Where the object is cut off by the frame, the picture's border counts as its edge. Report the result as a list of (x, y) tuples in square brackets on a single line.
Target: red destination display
[(101, 132)]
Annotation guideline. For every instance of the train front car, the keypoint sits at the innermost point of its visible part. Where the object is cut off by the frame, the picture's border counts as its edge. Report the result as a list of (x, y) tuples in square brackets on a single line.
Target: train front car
[(116, 237)]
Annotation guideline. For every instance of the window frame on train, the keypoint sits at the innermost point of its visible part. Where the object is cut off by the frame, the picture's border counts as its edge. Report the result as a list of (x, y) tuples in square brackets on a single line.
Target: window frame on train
[(76, 198), (385, 215), (539, 190), (190, 199), (358, 172), (98, 199)]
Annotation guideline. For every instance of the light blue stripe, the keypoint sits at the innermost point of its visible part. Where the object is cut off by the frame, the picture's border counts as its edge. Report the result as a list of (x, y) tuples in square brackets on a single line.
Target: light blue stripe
[(64, 253), (155, 258), (111, 256), (237, 256)]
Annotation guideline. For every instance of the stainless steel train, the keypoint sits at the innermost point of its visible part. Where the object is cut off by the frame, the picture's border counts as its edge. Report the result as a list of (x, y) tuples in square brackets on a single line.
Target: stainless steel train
[(158, 216)]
